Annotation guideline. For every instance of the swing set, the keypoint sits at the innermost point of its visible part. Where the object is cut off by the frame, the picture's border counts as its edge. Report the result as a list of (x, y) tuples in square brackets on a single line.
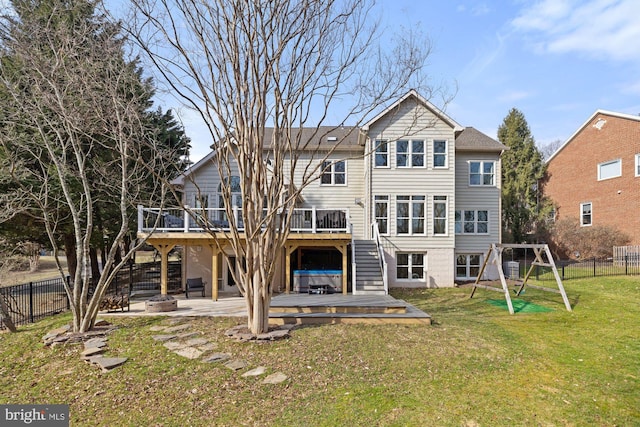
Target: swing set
[(543, 258)]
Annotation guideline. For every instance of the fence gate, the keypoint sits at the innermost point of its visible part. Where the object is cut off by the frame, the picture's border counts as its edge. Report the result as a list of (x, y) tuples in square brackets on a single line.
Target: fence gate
[(543, 258)]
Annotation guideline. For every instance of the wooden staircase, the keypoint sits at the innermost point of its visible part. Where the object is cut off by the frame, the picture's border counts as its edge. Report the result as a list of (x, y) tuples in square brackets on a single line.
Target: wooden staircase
[(369, 280)]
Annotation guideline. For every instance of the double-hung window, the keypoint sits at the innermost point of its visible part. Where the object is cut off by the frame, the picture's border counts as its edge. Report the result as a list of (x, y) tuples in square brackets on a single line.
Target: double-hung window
[(382, 213), (585, 214), (439, 154), (472, 222), (334, 173), (482, 173), (409, 266), (382, 153), (611, 169), (410, 214), (468, 266), (439, 215), (410, 153)]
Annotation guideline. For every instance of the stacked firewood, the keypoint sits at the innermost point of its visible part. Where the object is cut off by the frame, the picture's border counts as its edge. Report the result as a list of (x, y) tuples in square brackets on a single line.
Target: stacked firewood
[(114, 302)]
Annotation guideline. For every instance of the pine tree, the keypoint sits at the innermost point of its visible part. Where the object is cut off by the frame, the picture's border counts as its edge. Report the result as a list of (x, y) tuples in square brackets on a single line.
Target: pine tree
[(523, 167)]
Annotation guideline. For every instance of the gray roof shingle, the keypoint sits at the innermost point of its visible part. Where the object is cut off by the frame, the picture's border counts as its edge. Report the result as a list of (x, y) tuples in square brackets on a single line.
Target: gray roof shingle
[(471, 139)]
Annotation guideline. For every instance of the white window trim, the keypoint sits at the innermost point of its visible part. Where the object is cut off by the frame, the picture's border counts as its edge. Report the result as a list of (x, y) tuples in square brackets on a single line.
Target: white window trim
[(424, 266), (375, 219), (411, 217), (409, 154), (582, 224), (332, 172), (475, 222), (376, 142), (482, 174), (446, 153), (446, 215), (619, 161), (467, 256), (637, 169)]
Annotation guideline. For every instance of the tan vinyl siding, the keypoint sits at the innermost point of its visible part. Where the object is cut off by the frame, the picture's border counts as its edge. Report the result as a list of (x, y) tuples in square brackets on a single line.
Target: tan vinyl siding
[(477, 198), (338, 196)]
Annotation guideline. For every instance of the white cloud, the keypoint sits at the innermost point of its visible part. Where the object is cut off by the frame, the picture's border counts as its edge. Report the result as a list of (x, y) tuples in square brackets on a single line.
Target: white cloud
[(601, 29)]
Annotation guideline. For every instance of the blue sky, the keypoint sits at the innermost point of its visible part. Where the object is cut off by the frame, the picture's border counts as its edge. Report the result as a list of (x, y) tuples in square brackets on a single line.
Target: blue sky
[(557, 61)]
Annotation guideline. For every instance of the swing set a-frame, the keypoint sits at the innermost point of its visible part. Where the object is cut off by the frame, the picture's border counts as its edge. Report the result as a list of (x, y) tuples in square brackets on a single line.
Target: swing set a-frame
[(543, 258)]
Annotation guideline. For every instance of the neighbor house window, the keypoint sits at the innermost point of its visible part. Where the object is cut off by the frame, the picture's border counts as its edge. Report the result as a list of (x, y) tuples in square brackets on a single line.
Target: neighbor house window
[(382, 213), (637, 164), (382, 154), (334, 173), (482, 173), (612, 169), (472, 222), (439, 154), (439, 214), (409, 266), (410, 214), (585, 213), (409, 153), (468, 266)]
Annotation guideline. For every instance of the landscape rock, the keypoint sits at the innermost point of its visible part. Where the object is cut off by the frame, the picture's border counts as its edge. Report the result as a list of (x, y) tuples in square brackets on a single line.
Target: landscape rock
[(195, 342), (208, 346), (189, 352), (255, 372), (217, 357), (95, 342), (92, 351), (163, 338), (276, 378), (174, 345), (236, 365), (108, 363), (177, 328)]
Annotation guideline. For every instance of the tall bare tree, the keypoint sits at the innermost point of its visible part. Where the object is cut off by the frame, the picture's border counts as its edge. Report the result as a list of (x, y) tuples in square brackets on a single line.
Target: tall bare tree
[(250, 65), (73, 134)]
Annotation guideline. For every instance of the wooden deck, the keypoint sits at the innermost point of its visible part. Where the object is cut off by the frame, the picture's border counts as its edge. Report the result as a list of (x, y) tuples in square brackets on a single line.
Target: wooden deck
[(338, 308)]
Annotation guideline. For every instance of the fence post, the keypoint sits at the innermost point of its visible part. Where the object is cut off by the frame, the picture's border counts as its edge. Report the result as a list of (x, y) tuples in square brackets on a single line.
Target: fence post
[(626, 272), (30, 302), (594, 267), (562, 271), (69, 286)]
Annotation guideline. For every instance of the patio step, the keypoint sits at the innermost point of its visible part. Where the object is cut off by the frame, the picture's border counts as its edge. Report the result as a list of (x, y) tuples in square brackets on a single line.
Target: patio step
[(332, 309)]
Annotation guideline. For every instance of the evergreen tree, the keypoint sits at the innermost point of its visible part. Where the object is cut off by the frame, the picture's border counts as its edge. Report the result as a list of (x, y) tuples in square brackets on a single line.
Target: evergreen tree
[(523, 209)]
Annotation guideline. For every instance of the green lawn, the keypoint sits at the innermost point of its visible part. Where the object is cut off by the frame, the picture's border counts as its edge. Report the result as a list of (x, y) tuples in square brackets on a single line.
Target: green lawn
[(476, 366)]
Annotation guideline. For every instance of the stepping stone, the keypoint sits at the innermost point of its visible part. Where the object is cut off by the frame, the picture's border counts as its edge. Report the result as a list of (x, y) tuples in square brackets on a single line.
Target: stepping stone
[(188, 352), (95, 342), (177, 328), (157, 328), (255, 372), (217, 357), (172, 345), (194, 342), (273, 335), (276, 378), (108, 363), (92, 351), (236, 365), (208, 347), (163, 338), (186, 335)]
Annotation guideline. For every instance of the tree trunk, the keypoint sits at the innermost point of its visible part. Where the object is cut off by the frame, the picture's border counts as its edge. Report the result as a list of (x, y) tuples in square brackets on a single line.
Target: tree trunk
[(70, 252)]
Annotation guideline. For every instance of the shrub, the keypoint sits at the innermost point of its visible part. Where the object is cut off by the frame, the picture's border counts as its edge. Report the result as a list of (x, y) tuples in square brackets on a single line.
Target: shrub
[(573, 241)]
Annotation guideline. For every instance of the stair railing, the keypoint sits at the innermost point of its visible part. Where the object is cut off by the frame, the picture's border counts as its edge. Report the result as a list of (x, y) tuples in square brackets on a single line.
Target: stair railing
[(353, 261), (383, 262)]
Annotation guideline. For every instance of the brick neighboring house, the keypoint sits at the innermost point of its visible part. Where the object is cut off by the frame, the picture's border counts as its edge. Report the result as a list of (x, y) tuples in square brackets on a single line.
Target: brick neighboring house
[(594, 177)]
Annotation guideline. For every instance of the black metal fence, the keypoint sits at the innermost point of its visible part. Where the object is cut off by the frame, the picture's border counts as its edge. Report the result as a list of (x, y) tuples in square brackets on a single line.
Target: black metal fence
[(570, 269), (30, 302)]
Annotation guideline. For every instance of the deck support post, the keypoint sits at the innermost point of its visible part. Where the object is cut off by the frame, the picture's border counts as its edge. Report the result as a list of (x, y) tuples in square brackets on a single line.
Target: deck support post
[(214, 271)]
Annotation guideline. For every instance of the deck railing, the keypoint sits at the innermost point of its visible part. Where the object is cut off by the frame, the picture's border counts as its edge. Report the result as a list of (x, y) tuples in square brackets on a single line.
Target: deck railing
[(383, 261), (304, 220)]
